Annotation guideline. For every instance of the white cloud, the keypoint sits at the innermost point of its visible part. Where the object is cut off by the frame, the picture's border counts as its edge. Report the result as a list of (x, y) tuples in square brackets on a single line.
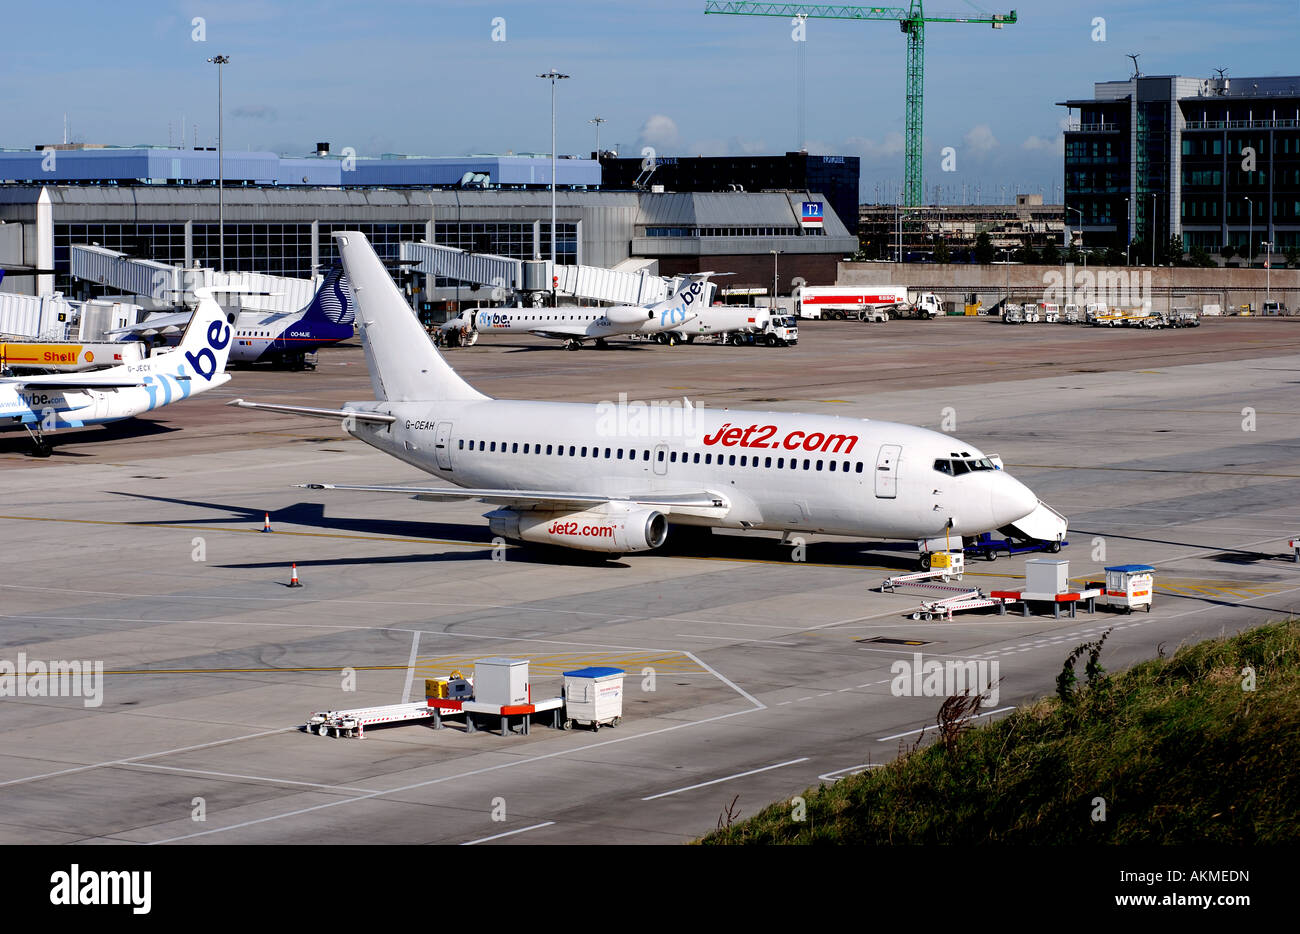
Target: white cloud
[(980, 139), (659, 131), (1054, 144), (735, 146), (870, 150)]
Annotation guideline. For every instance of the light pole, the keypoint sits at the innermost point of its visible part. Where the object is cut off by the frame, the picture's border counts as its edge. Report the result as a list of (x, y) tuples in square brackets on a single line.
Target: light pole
[(1006, 296), (1128, 233), (598, 121), (898, 224), (1268, 271), (220, 60), (1152, 229), (1067, 224), (1250, 234), (775, 254), (554, 76)]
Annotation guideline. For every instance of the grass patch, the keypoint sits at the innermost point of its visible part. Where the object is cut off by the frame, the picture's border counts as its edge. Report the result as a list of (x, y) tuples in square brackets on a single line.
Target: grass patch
[(1180, 752)]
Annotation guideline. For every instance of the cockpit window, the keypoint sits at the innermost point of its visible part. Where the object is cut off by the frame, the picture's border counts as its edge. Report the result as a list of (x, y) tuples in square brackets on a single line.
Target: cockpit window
[(957, 466)]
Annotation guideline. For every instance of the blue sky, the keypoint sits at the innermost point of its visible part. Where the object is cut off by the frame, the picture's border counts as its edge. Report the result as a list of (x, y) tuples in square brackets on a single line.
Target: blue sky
[(427, 77)]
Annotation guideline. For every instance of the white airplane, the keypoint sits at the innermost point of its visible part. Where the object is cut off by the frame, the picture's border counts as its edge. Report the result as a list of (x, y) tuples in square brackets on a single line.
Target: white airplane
[(573, 324), (609, 478), (42, 404), (282, 338)]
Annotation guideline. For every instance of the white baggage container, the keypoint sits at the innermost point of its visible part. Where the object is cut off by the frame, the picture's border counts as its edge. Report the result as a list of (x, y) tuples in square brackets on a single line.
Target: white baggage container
[(1130, 585), (502, 682), (593, 696)]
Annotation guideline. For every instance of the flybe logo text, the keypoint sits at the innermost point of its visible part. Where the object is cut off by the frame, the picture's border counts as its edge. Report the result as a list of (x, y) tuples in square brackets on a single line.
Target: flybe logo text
[(205, 361), (678, 313)]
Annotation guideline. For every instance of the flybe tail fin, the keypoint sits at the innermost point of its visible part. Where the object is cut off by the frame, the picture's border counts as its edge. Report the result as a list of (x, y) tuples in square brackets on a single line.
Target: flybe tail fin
[(404, 365), (692, 293), (204, 349)]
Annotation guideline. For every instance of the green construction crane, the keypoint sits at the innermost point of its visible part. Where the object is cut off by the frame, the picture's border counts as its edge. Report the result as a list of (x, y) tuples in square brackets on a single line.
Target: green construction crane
[(912, 21)]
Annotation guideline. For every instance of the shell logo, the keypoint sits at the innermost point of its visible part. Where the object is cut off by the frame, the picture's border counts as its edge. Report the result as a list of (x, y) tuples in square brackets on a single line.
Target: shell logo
[(90, 356)]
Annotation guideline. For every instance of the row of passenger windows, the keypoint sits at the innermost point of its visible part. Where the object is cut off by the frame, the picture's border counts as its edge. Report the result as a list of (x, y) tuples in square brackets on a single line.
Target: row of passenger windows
[(672, 457)]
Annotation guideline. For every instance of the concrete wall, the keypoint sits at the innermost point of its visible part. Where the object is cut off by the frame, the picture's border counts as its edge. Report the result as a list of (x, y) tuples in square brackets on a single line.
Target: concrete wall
[(1116, 285)]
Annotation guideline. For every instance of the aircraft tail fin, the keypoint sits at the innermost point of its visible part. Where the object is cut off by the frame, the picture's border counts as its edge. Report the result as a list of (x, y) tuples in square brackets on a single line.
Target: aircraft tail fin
[(333, 301), (692, 294), (404, 364), (204, 348)]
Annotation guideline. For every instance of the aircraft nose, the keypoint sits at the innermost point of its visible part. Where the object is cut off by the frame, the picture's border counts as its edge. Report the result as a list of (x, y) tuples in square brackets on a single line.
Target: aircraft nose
[(1010, 499)]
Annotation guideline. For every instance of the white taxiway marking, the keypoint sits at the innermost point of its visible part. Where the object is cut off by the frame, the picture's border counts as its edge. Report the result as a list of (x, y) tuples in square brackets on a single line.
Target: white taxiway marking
[(508, 833), (147, 755), (988, 713), (691, 635), (410, 667), (851, 770), (766, 768), (251, 778)]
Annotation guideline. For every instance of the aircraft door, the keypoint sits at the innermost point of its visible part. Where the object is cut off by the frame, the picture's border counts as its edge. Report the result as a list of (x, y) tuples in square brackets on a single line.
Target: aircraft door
[(660, 459), (887, 471), (442, 445)]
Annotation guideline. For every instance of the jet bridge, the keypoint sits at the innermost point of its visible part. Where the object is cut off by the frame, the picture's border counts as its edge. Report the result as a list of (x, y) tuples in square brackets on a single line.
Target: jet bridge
[(158, 286), (592, 283)]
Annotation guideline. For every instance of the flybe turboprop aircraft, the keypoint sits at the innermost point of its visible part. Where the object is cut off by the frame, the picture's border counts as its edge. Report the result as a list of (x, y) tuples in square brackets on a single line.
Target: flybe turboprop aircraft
[(42, 404), (573, 324), (610, 477), (273, 336)]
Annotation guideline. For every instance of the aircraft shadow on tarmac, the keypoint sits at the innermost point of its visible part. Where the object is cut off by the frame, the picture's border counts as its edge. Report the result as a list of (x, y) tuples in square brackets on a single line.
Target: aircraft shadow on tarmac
[(547, 348), (124, 430), (683, 542), (1227, 554)]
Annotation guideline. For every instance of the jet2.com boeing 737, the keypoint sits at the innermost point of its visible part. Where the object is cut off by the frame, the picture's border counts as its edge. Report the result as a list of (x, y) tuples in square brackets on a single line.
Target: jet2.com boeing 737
[(582, 476)]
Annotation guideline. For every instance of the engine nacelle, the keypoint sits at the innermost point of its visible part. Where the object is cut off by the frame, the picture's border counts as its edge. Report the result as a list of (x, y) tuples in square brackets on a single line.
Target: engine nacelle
[(613, 528), (628, 314)]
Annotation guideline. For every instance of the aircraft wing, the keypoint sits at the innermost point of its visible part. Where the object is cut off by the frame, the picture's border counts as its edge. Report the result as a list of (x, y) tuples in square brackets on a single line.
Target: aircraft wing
[(157, 323), (311, 412), (535, 499), (560, 333), (79, 381)]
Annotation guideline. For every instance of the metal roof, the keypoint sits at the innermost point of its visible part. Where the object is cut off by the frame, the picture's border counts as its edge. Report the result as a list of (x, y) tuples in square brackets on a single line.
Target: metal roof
[(159, 165), (732, 209)]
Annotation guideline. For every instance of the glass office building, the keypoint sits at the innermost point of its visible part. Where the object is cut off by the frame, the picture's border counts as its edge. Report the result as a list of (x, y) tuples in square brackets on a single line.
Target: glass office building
[(1212, 161)]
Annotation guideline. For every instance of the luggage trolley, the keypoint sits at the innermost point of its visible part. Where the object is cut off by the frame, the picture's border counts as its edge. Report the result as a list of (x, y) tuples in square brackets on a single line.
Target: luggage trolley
[(1129, 586), (593, 696)]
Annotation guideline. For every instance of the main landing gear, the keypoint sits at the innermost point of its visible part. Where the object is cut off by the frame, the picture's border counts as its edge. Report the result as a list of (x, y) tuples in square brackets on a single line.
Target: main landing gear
[(573, 344)]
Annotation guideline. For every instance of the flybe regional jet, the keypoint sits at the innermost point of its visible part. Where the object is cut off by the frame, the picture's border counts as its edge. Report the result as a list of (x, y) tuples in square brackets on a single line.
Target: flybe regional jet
[(573, 324), (610, 478), (42, 404)]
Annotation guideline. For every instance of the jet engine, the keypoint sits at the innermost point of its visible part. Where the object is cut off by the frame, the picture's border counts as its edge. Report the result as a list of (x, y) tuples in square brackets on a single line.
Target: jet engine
[(613, 528), (628, 314)]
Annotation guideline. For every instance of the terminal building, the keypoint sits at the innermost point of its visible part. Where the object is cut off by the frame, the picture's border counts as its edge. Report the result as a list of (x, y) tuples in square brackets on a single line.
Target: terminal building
[(1213, 161), (162, 204), (835, 177)]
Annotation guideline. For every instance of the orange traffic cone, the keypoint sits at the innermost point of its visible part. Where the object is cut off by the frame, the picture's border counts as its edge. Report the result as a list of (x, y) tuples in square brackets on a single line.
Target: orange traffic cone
[(293, 581), (266, 523)]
